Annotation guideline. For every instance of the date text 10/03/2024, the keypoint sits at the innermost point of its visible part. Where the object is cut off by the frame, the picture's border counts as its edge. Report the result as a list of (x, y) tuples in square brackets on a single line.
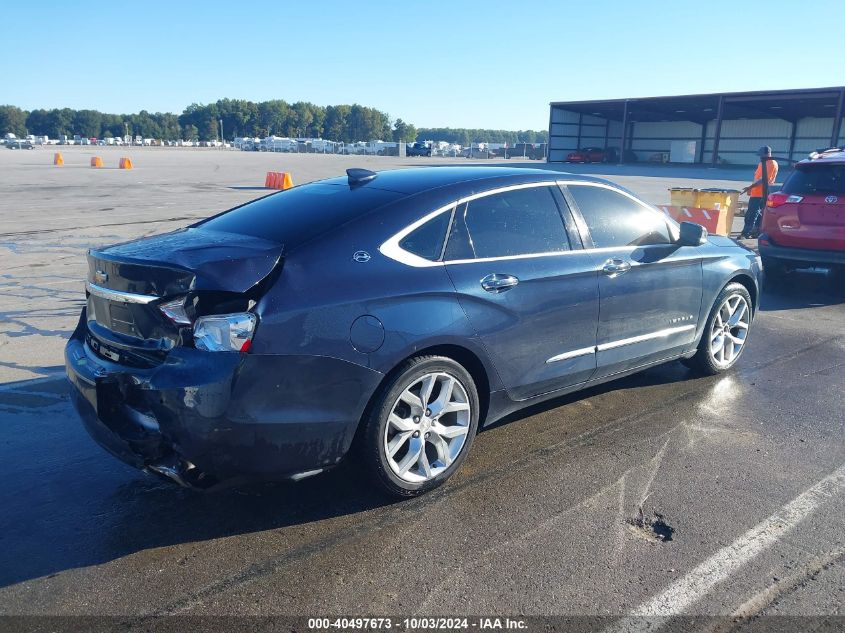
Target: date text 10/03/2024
[(427, 623)]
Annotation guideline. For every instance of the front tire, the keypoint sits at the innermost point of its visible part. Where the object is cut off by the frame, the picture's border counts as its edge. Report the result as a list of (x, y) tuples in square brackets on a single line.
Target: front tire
[(725, 333), (421, 426)]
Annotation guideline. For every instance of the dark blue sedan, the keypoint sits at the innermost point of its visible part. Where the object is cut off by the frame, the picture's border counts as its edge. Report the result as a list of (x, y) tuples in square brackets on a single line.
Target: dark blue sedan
[(391, 314)]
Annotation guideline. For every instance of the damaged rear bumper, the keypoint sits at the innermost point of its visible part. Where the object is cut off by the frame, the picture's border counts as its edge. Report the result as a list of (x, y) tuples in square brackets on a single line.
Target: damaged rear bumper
[(204, 418)]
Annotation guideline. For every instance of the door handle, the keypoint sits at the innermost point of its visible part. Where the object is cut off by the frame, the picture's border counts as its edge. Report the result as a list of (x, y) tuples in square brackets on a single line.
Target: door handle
[(498, 283), (614, 267)]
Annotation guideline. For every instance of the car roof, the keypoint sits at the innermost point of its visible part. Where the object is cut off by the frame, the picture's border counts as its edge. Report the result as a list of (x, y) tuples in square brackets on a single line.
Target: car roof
[(835, 155), (421, 179), (302, 213)]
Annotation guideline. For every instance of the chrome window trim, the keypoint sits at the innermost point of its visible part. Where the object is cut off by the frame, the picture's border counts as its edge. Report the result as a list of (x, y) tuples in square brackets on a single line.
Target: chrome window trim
[(390, 247), (607, 249), (117, 295)]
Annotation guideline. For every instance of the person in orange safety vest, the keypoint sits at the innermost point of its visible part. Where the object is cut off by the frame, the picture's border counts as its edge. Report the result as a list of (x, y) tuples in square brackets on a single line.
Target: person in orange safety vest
[(756, 200)]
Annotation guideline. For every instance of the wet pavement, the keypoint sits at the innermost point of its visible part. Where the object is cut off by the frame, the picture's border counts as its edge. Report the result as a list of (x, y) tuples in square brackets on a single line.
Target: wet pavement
[(746, 470), (535, 523)]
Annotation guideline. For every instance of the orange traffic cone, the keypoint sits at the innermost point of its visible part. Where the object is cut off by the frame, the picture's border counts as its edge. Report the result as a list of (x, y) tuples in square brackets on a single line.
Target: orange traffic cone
[(57, 159), (125, 163), (278, 180), (96, 161)]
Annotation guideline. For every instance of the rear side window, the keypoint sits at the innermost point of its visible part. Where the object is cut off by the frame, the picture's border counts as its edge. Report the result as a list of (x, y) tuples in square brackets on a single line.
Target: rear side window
[(816, 179), (519, 222), (427, 240), (296, 215), (615, 220)]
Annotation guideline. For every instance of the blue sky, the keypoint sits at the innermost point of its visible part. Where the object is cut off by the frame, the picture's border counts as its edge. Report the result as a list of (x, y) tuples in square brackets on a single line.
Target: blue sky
[(459, 63)]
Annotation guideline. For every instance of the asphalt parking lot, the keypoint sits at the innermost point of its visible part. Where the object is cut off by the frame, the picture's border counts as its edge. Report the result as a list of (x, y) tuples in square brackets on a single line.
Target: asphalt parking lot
[(747, 469)]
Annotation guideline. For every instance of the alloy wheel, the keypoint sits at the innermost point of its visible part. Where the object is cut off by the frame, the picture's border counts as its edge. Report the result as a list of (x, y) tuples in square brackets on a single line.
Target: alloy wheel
[(729, 330), (427, 427)]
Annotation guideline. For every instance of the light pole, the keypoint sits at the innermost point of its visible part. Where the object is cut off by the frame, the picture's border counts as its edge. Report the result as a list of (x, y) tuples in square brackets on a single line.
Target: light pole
[(222, 138)]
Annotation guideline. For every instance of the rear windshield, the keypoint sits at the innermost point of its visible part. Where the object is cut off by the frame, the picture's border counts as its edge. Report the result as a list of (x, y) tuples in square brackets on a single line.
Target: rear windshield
[(820, 179), (296, 215)]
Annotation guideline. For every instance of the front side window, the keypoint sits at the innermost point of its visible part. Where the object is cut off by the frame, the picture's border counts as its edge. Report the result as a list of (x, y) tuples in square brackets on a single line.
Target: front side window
[(615, 220), (518, 222)]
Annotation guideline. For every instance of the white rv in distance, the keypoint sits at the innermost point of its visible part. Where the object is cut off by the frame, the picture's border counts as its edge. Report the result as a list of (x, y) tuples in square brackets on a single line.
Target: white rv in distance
[(359, 147), (322, 146), (383, 148), (280, 144)]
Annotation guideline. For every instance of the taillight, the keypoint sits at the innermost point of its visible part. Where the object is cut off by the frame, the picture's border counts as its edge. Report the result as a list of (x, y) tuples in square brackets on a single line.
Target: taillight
[(175, 311), (225, 332), (778, 199)]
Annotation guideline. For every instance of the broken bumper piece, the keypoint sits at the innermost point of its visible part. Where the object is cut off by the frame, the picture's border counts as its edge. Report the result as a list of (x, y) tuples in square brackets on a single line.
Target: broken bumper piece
[(201, 419)]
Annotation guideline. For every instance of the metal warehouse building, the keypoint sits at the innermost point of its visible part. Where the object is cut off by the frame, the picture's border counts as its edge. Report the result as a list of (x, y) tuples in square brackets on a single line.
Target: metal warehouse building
[(725, 128)]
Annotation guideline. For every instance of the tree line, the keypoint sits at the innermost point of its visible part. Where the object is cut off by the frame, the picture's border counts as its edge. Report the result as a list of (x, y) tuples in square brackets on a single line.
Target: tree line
[(240, 117), (465, 136), (347, 123)]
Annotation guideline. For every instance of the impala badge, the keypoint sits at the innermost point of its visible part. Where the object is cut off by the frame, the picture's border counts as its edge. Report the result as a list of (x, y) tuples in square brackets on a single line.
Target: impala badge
[(101, 276), (831, 199), (361, 257)]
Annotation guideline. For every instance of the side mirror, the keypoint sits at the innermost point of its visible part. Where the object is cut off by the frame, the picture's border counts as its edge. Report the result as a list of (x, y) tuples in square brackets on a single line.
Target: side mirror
[(692, 234)]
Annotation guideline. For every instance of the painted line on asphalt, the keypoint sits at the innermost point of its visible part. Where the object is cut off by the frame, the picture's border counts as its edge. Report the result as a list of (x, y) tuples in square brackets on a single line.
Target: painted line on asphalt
[(679, 596), (770, 595)]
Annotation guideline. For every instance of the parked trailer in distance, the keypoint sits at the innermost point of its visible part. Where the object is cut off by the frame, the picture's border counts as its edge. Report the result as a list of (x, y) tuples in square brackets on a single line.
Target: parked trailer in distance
[(280, 144)]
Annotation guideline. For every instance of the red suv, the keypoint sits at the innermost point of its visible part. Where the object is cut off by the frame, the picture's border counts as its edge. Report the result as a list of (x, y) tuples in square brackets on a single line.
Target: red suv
[(804, 222)]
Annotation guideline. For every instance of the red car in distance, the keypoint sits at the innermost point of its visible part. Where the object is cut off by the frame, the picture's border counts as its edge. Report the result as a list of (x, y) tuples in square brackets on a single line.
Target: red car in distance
[(804, 223), (588, 155)]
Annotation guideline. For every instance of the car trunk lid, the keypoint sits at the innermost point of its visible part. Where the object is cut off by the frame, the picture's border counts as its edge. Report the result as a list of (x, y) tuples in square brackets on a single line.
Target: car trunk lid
[(822, 210), (128, 283)]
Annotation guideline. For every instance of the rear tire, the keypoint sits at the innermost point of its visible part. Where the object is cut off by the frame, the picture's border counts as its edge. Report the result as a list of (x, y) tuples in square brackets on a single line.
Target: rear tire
[(421, 425), (725, 332)]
